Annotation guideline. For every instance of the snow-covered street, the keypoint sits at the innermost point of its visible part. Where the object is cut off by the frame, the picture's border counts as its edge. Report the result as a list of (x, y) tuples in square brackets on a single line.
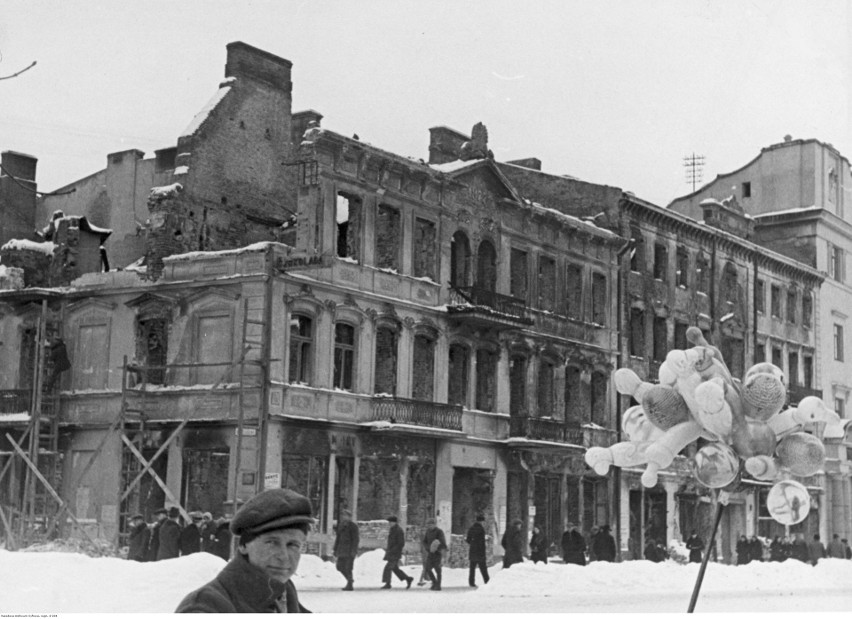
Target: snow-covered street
[(35, 582)]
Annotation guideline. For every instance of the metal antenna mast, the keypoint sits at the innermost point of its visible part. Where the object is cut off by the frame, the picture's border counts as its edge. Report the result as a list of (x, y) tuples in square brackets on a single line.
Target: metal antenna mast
[(694, 165)]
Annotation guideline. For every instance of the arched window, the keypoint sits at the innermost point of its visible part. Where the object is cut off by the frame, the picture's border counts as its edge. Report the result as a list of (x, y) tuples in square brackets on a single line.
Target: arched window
[(460, 260), (517, 385), (344, 356), (486, 266), (385, 362), (458, 365), (423, 374), (301, 349), (598, 397)]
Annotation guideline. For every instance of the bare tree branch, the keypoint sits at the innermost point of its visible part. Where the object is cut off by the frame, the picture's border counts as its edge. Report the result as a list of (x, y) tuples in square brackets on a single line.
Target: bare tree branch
[(19, 72)]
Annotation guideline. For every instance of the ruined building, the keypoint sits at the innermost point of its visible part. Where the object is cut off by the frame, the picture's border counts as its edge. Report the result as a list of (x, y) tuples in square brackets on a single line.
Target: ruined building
[(294, 307)]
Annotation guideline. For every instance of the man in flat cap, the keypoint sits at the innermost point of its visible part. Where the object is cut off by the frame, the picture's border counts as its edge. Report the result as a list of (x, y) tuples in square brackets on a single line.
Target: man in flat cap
[(345, 548), (272, 528), (393, 553)]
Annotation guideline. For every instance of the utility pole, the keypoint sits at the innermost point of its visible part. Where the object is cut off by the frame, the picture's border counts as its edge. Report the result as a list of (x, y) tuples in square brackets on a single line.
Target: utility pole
[(694, 165)]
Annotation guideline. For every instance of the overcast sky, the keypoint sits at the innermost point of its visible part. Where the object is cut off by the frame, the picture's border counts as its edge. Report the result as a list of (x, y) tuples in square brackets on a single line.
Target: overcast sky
[(613, 92)]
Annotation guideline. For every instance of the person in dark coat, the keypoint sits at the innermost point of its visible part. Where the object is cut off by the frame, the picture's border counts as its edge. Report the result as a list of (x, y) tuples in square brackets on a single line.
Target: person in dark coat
[(786, 548), (695, 546), (573, 545), (538, 546), (221, 544), (170, 536), (816, 550), (154, 540), (743, 551), (208, 532), (476, 553), (604, 545), (190, 535), (775, 549), (272, 528), (653, 552), (755, 548), (139, 537), (434, 544), (513, 544), (799, 549), (58, 356), (393, 553), (346, 547)]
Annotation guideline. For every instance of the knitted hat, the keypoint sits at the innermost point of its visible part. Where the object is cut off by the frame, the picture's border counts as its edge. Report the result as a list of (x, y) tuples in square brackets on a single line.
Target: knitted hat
[(174, 512), (278, 508)]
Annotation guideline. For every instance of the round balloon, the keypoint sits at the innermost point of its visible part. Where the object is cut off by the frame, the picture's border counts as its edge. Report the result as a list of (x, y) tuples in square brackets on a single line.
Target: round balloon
[(715, 465), (802, 453), (788, 502)]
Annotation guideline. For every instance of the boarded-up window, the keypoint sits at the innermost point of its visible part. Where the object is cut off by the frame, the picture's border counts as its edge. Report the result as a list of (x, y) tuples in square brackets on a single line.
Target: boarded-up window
[(546, 384), (424, 249), (214, 347), (637, 332), (598, 404), (301, 349), (661, 347), (423, 374), (385, 363), (547, 283), (486, 379), (91, 361), (599, 305), (344, 355), (460, 260), (574, 291), (573, 399), (517, 385), (486, 266), (348, 224), (388, 237), (458, 374), (518, 274)]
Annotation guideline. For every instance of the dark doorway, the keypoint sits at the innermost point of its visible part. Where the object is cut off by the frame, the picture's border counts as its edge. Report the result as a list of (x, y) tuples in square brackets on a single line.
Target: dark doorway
[(204, 485), (548, 503), (472, 495)]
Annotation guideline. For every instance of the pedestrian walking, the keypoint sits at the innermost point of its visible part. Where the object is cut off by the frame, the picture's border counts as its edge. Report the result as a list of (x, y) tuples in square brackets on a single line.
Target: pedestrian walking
[(604, 544), (847, 551), (573, 545), (836, 549), (393, 553), (695, 545), (816, 550), (138, 541), (154, 540), (538, 546), (272, 528), (435, 544), (755, 548), (169, 547), (513, 544), (345, 548), (476, 552)]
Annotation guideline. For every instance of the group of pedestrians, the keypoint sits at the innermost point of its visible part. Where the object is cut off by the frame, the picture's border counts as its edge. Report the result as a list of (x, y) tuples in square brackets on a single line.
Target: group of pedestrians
[(167, 538)]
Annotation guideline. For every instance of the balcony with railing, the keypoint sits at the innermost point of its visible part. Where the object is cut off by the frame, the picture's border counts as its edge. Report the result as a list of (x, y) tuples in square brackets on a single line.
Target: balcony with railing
[(13, 401), (795, 393), (483, 307), (417, 413), (544, 429)]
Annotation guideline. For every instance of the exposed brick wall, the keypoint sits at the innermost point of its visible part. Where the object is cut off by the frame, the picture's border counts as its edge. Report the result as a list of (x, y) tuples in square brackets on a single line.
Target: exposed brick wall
[(385, 366), (423, 370), (425, 248), (35, 265), (388, 235)]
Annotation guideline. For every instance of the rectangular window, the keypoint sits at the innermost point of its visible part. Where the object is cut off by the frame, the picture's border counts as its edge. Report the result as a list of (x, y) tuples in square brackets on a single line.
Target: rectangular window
[(791, 306), (775, 293), (457, 375), (573, 399), (388, 237), (838, 342), (746, 190), (486, 379), (385, 361), (347, 220), (680, 342), (702, 274), (661, 261), (424, 247), (574, 292), (301, 349), (599, 305), (547, 283), (423, 374), (760, 352), (807, 309), (214, 347), (546, 395), (808, 371), (518, 386), (776, 357), (344, 356), (661, 347), (839, 406), (835, 263), (682, 275), (91, 361), (518, 273), (637, 332), (637, 254), (793, 368), (760, 296)]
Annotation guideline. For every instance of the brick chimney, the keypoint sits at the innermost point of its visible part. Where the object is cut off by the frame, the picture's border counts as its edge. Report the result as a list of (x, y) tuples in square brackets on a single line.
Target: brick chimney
[(245, 61), (17, 196)]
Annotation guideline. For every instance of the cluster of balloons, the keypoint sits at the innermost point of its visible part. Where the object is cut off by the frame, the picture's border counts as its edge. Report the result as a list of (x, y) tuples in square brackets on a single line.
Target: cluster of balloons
[(742, 424)]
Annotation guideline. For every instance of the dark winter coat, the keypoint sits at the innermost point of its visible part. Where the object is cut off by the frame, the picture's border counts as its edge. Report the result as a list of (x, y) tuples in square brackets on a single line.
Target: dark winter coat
[(476, 539), (208, 536), (169, 540), (743, 552), (538, 547), (755, 549), (221, 544), (347, 540), (430, 536), (396, 543), (653, 553), (573, 547), (154, 542), (241, 588), (800, 550), (776, 550), (695, 545), (190, 540), (513, 543), (138, 542), (816, 551), (603, 545)]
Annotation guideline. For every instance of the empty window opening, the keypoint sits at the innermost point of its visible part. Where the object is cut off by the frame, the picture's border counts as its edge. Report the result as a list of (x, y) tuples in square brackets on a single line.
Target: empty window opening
[(775, 300), (793, 368), (599, 306), (661, 261), (458, 374), (486, 266), (760, 296), (637, 254), (518, 272), (680, 342), (388, 237), (344, 356), (807, 309), (546, 386), (702, 274), (682, 273), (733, 352), (808, 371), (486, 379), (460, 260), (385, 362), (791, 306), (661, 337), (423, 376), (301, 349), (746, 190), (776, 357), (573, 396), (598, 397), (729, 284), (152, 349), (347, 218), (637, 332), (424, 249), (574, 291), (517, 385), (547, 283)]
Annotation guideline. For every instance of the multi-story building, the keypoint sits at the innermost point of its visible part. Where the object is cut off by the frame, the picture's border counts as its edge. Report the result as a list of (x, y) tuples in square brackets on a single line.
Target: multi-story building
[(796, 194), (387, 335)]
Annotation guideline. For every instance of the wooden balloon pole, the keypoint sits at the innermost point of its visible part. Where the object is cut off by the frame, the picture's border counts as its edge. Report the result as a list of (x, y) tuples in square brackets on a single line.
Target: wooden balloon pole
[(719, 507)]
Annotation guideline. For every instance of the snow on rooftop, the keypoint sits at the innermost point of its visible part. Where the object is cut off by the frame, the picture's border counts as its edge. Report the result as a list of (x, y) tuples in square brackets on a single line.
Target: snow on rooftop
[(567, 218), (454, 166), (47, 247), (166, 190), (789, 211), (194, 255), (202, 115)]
